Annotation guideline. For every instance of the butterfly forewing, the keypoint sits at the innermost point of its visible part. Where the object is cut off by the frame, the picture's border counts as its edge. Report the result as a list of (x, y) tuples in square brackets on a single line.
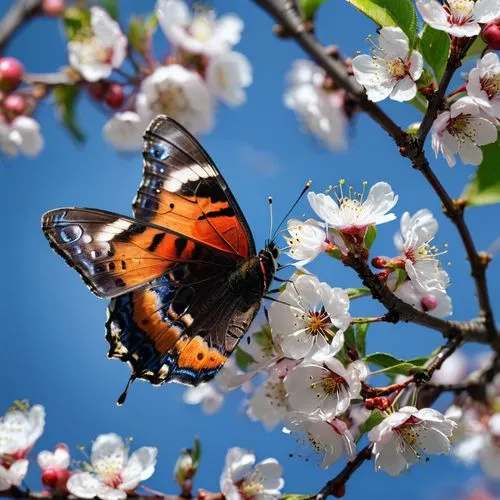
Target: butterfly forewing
[(182, 189)]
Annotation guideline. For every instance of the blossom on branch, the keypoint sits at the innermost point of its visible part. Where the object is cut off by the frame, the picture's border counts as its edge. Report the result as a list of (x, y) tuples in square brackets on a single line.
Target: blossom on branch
[(124, 131), (320, 107), (199, 32), (310, 316), (111, 472), (54, 465), (401, 437), (95, 56), (324, 385), (180, 93), (241, 480), (462, 130), (20, 428), (306, 241), (21, 136), (329, 438), (392, 70), (484, 84), (458, 17)]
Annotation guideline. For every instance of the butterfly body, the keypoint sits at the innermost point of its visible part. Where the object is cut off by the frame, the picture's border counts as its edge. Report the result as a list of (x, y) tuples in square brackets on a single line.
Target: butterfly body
[(183, 276)]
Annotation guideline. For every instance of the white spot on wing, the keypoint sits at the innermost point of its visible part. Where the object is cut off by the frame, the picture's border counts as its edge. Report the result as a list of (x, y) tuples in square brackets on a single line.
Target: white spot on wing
[(111, 230)]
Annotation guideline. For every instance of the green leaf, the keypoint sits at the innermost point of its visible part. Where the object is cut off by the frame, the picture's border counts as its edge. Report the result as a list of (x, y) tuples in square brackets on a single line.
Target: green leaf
[(196, 452), (309, 7), (370, 237), (484, 189), (435, 47), (361, 331), (243, 359), (75, 20), (391, 13), (110, 6), (349, 338), (264, 336), (396, 366), (65, 99), (476, 49), (372, 421), (355, 293)]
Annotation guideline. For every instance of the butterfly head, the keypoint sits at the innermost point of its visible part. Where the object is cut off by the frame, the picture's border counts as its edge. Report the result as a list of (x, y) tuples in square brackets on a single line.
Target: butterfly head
[(268, 258)]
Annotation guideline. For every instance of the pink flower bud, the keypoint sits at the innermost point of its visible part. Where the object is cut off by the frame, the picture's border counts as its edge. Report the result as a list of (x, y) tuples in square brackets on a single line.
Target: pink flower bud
[(53, 7), (379, 262), (49, 477), (491, 34), (97, 90), (115, 96), (428, 303), (15, 103), (11, 72)]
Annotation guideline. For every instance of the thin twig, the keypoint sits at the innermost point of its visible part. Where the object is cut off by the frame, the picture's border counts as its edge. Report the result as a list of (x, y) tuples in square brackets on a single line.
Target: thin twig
[(18, 14)]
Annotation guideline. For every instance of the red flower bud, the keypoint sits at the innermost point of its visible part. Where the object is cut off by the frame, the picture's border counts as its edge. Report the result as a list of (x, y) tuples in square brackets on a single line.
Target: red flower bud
[(491, 34), (49, 477), (379, 262), (53, 7), (97, 90), (15, 103), (115, 96), (11, 72), (383, 275)]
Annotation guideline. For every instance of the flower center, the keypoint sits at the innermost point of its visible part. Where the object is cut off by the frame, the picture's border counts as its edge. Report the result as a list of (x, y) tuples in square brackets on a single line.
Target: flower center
[(491, 85), (250, 489), (318, 322), (398, 69), (459, 11), (331, 384), (171, 100), (109, 468), (202, 27), (408, 430), (459, 125)]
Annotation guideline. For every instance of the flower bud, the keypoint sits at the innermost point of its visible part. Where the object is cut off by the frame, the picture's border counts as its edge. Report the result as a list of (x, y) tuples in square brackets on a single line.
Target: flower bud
[(11, 72), (53, 7), (379, 262), (428, 303), (97, 90), (491, 34), (15, 103), (114, 96), (49, 477)]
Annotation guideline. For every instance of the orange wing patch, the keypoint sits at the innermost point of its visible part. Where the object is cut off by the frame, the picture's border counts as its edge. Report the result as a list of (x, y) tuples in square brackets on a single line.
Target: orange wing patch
[(195, 355)]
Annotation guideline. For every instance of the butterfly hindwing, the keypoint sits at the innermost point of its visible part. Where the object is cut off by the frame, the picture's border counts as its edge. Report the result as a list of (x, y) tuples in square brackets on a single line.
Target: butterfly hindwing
[(115, 254), (182, 189)]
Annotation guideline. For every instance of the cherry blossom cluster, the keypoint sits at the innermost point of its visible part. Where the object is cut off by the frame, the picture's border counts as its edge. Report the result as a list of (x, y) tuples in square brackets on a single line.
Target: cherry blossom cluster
[(122, 75), (110, 471), (317, 378)]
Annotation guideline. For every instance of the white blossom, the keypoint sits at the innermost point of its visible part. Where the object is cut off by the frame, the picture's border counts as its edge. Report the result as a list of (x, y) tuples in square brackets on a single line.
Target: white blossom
[(310, 314), (462, 130), (58, 459), (207, 395), (180, 93), (124, 131), (306, 241), (392, 70), (111, 472), (19, 431), (401, 437), (199, 32), (228, 75), (484, 84), (21, 136), (351, 213), (452, 371), (242, 480), (458, 17), (96, 56), (328, 438), (435, 301), (269, 403), (320, 109), (325, 386), (413, 242), (489, 454)]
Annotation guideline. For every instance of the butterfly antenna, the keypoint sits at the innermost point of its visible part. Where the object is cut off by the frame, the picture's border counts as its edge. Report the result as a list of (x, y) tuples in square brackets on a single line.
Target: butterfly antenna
[(302, 193), (123, 395), (270, 200)]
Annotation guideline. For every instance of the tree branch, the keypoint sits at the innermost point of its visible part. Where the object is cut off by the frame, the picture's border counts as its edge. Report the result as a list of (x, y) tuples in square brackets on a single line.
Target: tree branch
[(18, 14), (336, 486)]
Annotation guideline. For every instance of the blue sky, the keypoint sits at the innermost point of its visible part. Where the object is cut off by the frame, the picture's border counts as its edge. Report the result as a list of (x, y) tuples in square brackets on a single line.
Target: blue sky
[(53, 347)]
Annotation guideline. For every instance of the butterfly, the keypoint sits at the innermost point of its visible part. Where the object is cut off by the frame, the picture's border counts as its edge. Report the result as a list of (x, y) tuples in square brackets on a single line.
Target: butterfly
[(183, 275)]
